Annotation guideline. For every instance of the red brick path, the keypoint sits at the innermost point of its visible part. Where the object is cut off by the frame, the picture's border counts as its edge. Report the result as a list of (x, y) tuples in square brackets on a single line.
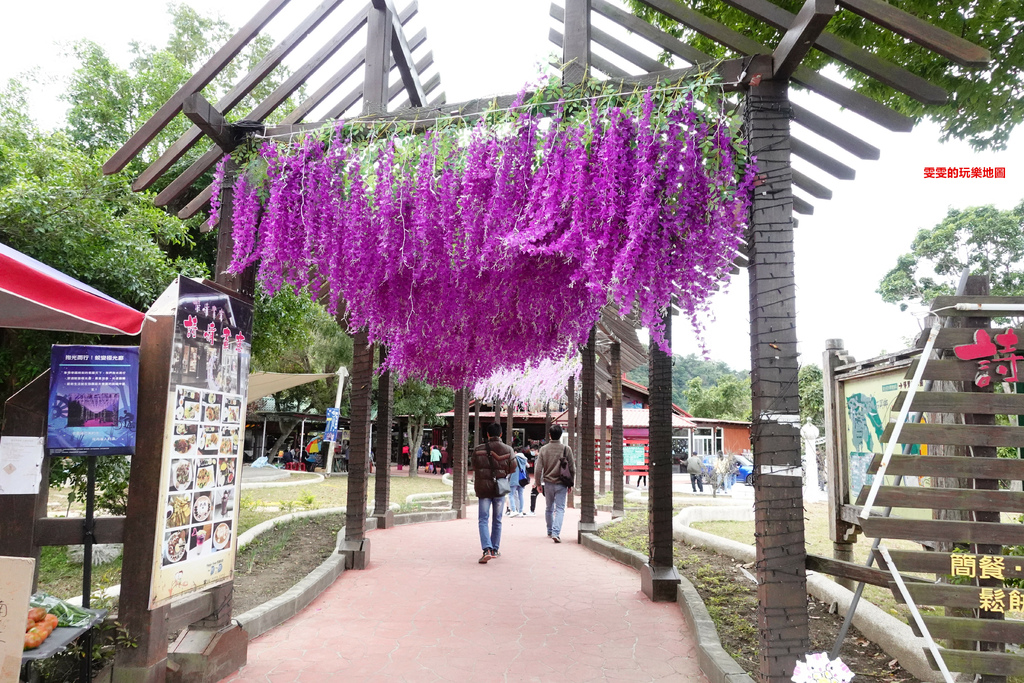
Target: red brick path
[(425, 610)]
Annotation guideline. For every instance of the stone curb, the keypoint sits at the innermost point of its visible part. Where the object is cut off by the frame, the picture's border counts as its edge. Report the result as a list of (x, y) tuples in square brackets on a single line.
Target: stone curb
[(714, 661), (276, 611), (892, 635), (281, 484), (414, 497)]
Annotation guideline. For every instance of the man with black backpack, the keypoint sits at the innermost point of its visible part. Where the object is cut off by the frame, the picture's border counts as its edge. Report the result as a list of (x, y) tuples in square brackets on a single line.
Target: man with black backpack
[(555, 471)]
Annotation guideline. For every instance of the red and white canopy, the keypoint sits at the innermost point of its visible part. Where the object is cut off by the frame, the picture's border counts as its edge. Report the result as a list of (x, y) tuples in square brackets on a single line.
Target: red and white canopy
[(34, 296)]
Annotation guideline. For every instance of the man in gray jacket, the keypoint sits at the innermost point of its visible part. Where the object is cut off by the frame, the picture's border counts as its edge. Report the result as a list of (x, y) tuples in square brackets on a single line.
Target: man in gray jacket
[(547, 473)]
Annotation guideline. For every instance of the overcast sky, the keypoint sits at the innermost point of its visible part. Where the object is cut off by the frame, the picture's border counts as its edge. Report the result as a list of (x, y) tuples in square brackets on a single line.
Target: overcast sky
[(484, 47)]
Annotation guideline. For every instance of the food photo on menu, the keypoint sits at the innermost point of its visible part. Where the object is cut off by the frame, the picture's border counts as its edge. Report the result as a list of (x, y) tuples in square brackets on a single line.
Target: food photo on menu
[(224, 503), (175, 546), (205, 473), (179, 510), (221, 535), (181, 475), (228, 440), (210, 440), (225, 471), (211, 407), (232, 410), (187, 406), (202, 507), (185, 441), (200, 542)]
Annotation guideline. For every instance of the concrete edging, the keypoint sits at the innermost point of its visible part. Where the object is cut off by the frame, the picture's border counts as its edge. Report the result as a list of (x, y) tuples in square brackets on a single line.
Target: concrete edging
[(892, 635), (714, 661), (276, 611), (281, 484)]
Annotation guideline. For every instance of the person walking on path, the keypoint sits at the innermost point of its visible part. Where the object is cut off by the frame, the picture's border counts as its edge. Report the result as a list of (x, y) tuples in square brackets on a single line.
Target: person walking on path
[(548, 473), (492, 460), (515, 496), (435, 459)]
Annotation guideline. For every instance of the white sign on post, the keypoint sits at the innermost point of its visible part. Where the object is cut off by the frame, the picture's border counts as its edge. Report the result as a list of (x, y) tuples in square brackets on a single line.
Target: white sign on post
[(21, 462), (15, 588)]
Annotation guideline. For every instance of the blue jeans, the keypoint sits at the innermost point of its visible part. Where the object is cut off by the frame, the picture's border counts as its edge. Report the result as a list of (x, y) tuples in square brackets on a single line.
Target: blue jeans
[(515, 498), (485, 506), (554, 508)]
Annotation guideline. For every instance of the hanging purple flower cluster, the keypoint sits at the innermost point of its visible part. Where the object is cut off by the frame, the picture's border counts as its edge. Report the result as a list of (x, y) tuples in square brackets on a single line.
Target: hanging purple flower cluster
[(466, 251)]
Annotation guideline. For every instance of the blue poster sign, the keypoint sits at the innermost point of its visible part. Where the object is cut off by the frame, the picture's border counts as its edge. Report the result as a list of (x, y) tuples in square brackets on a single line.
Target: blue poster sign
[(93, 400), (331, 433)]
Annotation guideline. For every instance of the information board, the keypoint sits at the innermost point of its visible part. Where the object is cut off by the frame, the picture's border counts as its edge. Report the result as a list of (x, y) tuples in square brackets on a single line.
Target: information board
[(203, 437), (633, 456), (93, 400)]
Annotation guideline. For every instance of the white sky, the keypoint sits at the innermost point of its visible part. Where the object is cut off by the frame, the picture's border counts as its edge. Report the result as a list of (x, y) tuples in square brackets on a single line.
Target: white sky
[(488, 47)]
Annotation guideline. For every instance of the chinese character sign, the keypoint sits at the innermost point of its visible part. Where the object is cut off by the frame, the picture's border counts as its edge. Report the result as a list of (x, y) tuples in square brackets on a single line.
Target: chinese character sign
[(999, 356), (203, 439), (93, 400)]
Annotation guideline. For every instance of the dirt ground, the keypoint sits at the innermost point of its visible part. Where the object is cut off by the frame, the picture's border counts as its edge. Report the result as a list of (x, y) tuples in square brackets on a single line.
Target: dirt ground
[(731, 598), (281, 557)]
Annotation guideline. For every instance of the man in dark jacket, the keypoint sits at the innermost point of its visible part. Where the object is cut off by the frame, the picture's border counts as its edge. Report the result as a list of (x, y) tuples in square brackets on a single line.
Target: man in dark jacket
[(491, 461)]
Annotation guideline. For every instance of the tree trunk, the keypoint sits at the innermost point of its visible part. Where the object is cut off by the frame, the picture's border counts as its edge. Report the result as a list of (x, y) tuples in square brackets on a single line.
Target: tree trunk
[(359, 450), (385, 411), (284, 436), (415, 440), (616, 474)]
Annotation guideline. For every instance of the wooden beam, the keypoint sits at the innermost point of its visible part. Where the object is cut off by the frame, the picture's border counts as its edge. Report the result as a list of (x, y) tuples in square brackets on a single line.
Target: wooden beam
[(963, 402), (811, 186), (71, 530), (627, 52), (206, 73), (826, 163), (986, 663), (943, 530), (926, 497), (950, 466), (802, 207), (378, 58), (852, 55), (796, 42), (225, 104), (851, 570), (422, 65), (835, 134), (812, 80), (651, 33), (957, 435), (953, 48), (432, 83), (210, 121), (401, 53)]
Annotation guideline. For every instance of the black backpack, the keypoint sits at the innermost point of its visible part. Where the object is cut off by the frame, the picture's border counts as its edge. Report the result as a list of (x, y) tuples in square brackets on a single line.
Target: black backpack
[(565, 476)]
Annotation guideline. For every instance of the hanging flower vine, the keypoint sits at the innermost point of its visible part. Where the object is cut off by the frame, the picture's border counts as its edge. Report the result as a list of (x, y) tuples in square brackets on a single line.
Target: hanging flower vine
[(465, 250)]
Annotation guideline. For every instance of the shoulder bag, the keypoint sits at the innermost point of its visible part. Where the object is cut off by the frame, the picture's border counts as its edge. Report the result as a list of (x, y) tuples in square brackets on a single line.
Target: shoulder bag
[(565, 476)]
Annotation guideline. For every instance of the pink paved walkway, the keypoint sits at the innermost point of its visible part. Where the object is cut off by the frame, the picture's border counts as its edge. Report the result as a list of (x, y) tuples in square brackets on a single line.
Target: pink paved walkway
[(425, 610)]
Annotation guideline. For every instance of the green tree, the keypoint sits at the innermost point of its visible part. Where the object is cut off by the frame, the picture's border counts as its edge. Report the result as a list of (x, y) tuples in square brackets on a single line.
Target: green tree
[(421, 403), (685, 368), (984, 105), (812, 395), (727, 399), (984, 239)]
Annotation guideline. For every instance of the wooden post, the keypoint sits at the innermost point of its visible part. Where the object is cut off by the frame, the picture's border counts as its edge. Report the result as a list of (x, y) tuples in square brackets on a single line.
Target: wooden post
[(778, 496), (385, 412), (585, 474), (508, 423), (547, 420), (576, 43), (147, 661), (458, 450), (659, 578), (842, 533), (618, 506), (603, 463), (378, 58), (356, 546), (476, 423), (570, 498)]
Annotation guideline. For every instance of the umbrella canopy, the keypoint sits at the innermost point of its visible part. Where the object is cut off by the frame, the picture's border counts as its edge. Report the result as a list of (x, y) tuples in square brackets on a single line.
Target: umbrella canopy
[(34, 296), (266, 383)]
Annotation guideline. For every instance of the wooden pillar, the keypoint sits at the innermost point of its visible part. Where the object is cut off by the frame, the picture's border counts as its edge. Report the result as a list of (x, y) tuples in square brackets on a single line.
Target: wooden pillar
[(618, 506), (842, 533), (356, 546), (570, 498), (459, 448), (585, 474), (378, 58), (385, 412), (659, 577), (547, 420), (778, 494), (576, 42), (147, 661), (603, 462), (476, 422), (510, 412)]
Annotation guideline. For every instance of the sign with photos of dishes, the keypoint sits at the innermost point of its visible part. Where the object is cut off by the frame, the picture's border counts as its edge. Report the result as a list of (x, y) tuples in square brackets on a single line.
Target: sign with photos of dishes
[(203, 438)]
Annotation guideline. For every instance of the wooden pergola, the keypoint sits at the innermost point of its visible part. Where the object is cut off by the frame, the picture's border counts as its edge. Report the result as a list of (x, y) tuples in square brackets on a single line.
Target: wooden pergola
[(759, 75)]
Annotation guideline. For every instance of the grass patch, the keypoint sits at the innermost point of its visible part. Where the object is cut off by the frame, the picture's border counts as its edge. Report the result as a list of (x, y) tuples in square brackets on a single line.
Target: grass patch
[(630, 532), (58, 576)]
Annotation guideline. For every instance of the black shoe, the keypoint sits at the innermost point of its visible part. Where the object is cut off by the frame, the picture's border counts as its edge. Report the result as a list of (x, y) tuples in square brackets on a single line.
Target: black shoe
[(495, 554), (556, 539), (486, 557)]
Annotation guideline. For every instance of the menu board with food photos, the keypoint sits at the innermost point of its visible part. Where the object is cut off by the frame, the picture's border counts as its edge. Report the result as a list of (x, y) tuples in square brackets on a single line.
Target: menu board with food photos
[(203, 439)]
